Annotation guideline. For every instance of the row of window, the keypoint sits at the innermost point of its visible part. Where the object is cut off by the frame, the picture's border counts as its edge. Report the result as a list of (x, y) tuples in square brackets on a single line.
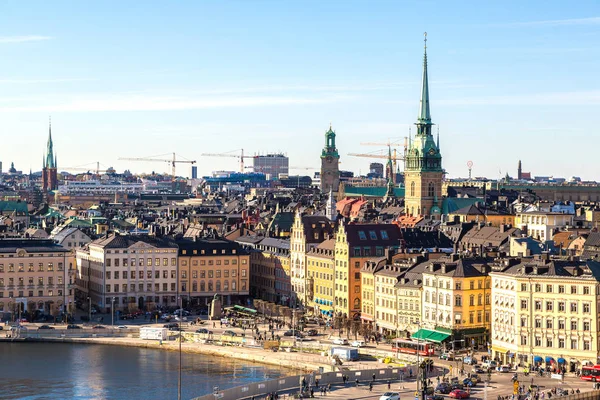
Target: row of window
[(117, 262), (31, 281), (549, 342), (31, 268), (457, 285), (445, 299), (147, 251), (172, 274), (40, 293), (549, 324), (194, 263), (573, 289), (561, 306), (204, 286)]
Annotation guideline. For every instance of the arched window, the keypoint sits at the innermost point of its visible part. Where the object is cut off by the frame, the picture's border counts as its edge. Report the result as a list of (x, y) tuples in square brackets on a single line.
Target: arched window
[(345, 303), (202, 286), (218, 286), (226, 285), (210, 286), (233, 285), (479, 300), (357, 303), (431, 190), (412, 189), (471, 300)]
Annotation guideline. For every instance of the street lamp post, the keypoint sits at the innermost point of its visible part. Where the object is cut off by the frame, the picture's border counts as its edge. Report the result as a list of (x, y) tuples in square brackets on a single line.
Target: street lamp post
[(89, 309), (112, 312)]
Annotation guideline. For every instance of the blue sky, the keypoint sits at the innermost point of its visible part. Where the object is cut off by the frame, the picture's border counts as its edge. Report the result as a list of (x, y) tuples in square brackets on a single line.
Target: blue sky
[(509, 80)]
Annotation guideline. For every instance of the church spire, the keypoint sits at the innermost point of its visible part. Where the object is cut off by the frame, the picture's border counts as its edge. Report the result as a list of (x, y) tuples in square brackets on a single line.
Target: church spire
[(50, 159), (424, 117)]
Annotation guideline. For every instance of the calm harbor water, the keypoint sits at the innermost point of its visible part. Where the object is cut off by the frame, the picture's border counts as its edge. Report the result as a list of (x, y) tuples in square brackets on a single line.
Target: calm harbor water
[(77, 371)]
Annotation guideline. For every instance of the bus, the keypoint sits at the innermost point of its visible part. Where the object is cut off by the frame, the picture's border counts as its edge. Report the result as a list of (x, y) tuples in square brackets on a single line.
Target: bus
[(590, 373), (412, 347)]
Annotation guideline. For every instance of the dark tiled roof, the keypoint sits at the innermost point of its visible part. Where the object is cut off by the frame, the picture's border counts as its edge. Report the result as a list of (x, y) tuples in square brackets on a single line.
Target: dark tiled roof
[(417, 238), (323, 227), (373, 234), (31, 246), (116, 241), (208, 245)]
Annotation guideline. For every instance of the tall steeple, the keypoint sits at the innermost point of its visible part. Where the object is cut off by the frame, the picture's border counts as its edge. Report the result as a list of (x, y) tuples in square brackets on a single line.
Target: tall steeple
[(424, 118), (50, 159)]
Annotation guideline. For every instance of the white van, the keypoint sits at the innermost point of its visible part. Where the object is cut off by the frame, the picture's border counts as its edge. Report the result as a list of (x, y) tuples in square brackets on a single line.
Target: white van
[(339, 340)]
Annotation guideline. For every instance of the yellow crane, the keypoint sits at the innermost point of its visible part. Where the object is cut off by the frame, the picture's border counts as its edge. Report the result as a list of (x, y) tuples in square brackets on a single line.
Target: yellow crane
[(172, 161), (241, 156)]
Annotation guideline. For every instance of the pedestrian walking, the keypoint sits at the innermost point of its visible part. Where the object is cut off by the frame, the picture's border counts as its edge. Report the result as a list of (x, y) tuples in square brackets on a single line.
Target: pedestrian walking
[(389, 384), (356, 382), (370, 386)]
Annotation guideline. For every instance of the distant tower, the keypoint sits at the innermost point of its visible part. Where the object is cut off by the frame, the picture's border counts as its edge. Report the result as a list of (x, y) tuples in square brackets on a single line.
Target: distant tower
[(330, 208), (423, 171), (330, 169), (49, 178), (519, 171)]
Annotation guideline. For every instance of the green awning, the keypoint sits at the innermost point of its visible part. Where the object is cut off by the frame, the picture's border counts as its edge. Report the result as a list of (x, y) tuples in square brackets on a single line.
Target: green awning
[(430, 336)]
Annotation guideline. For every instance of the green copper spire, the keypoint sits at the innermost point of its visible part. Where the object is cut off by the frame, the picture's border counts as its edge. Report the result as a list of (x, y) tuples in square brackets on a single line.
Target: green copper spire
[(50, 159), (424, 113)]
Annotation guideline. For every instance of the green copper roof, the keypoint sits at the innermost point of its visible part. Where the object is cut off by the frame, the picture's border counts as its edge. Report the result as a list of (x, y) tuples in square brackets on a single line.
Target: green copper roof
[(329, 149), (424, 113), (50, 161), (372, 191)]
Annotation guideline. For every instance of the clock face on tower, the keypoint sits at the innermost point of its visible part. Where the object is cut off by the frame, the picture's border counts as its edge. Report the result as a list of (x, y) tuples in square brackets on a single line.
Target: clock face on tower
[(329, 159), (432, 151)]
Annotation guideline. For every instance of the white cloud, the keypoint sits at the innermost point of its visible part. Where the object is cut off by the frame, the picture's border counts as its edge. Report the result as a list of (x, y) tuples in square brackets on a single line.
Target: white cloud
[(580, 98), (561, 22), (22, 39), (138, 102), (40, 81)]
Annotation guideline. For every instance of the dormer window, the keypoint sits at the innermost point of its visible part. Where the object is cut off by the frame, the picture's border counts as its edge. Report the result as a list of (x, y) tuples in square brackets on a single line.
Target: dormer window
[(362, 235)]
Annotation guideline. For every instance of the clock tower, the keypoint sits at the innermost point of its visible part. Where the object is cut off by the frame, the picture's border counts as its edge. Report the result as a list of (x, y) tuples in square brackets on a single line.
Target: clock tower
[(423, 171), (330, 170)]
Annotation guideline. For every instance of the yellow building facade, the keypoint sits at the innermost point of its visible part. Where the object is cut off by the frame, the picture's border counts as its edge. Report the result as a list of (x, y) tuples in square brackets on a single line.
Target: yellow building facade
[(321, 277)]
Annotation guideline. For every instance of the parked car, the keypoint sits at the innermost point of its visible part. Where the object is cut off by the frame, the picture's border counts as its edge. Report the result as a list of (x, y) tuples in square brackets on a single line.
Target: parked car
[(229, 333), (73, 326), (171, 325), (98, 327), (45, 327), (475, 378), (459, 394), (312, 332), (443, 388), (338, 340), (468, 382), (487, 364), (358, 343), (479, 369), (204, 330), (503, 369), (122, 327), (390, 396), (447, 356), (434, 397), (470, 360)]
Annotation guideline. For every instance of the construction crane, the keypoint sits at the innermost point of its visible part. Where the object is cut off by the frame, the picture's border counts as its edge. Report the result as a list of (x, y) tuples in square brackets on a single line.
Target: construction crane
[(241, 156), (87, 169), (173, 161)]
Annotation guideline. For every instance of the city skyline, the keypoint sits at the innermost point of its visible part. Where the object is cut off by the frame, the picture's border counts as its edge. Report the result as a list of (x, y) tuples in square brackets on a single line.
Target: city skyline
[(130, 82)]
